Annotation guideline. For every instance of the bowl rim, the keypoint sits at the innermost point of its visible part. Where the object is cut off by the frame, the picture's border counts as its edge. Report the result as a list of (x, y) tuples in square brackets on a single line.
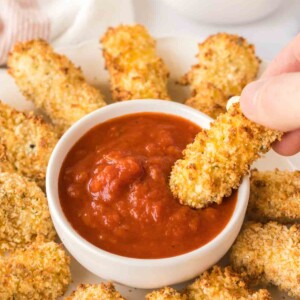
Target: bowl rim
[(146, 105)]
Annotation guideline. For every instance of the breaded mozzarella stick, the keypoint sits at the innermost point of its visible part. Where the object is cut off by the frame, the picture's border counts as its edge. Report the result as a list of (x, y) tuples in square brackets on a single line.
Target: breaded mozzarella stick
[(136, 71), (215, 162), (29, 142), (218, 283), (225, 60), (41, 271), (269, 253), (24, 213), (53, 83), (275, 196), (208, 99), (166, 293), (102, 291)]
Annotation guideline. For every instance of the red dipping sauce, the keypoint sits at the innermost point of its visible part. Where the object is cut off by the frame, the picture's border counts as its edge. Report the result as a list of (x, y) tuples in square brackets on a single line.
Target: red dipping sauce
[(114, 189)]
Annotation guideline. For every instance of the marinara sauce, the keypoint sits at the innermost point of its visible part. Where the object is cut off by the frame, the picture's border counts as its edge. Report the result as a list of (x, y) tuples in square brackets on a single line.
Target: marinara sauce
[(114, 189)]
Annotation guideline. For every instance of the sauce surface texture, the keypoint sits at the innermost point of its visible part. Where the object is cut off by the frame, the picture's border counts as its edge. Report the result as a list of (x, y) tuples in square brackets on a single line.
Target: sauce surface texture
[(113, 188)]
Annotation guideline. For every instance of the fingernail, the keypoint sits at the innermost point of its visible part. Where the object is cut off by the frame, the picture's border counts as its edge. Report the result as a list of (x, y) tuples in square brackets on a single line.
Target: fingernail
[(250, 97)]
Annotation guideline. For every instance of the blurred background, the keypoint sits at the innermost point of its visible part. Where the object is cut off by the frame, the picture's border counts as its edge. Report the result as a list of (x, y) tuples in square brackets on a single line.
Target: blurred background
[(269, 24)]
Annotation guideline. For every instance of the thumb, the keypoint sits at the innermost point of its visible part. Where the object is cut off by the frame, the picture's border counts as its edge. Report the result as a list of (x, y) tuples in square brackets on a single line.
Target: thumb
[(273, 102)]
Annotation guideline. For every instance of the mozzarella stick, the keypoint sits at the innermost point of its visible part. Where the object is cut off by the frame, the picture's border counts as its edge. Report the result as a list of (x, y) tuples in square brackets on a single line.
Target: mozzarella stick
[(102, 291), (41, 271), (53, 83), (225, 60), (208, 99), (275, 196), (218, 283), (166, 293), (215, 162), (29, 142), (269, 253), (24, 213), (135, 69)]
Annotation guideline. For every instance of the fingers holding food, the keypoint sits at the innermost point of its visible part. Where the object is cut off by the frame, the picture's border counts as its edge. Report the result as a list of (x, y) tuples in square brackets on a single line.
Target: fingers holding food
[(274, 196), (29, 142), (53, 83), (269, 253), (215, 162), (227, 61), (102, 291), (40, 271), (135, 69)]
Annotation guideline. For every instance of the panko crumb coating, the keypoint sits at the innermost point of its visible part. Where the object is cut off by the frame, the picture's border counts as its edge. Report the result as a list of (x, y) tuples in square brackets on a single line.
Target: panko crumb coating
[(269, 253), (41, 271), (102, 291), (226, 60), (274, 196), (29, 142), (215, 162), (135, 69), (5, 165), (208, 99), (24, 213), (166, 293), (53, 83), (218, 283)]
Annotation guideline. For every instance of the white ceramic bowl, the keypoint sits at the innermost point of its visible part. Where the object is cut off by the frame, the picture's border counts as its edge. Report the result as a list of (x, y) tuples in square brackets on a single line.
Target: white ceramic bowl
[(225, 11), (139, 273)]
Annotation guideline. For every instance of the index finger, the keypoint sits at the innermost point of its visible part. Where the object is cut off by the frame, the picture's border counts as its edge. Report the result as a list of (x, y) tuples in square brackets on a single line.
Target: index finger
[(288, 60)]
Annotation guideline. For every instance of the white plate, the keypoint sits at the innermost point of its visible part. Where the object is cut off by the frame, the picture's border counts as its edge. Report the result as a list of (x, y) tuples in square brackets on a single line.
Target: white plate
[(179, 55)]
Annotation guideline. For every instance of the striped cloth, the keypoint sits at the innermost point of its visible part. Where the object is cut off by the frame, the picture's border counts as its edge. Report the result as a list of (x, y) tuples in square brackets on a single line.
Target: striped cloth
[(61, 22), (20, 20)]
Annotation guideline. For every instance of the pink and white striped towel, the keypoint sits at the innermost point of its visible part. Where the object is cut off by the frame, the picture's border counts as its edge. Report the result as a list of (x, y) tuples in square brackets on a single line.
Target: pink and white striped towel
[(62, 22), (21, 21)]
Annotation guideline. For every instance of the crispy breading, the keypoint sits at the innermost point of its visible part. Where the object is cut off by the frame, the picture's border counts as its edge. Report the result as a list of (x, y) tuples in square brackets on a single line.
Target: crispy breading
[(101, 291), (135, 69), (269, 253), (24, 214), (166, 293), (5, 165), (274, 196), (41, 271), (53, 83), (218, 283), (226, 60), (29, 142), (215, 162), (208, 99)]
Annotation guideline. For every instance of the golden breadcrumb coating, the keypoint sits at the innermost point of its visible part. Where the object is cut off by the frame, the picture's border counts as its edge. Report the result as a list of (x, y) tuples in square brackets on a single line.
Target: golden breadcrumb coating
[(215, 162), (53, 83), (5, 165), (102, 291), (228, 61), (136, 71), (218, 283), (166, 293), (41, 271), (29, 142), (208, 99), (275, 196), (269, 253), (24, 214)]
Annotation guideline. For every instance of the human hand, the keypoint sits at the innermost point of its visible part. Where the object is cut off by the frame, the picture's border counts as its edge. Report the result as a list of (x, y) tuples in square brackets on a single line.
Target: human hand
[(274, 99)]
